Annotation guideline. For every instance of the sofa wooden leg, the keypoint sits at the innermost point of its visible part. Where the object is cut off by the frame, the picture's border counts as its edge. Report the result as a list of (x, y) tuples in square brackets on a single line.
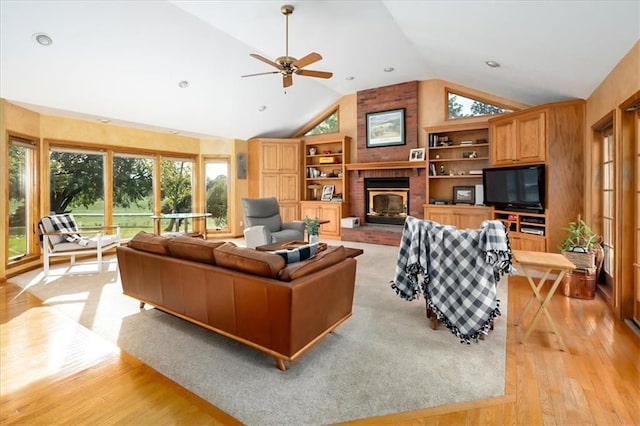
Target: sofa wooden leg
[(280, 364), (141, 305), (434, 323)]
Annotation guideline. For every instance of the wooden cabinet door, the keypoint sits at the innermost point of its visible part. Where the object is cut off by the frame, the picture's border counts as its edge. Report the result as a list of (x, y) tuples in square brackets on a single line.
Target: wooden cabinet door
[(443, 217), (531, 138), (289, 212), (289, 157), (309, 209), (521, 241), (270, 152), (333, 213), (288, 191), (270, 185), (470, 219), (503, 139)]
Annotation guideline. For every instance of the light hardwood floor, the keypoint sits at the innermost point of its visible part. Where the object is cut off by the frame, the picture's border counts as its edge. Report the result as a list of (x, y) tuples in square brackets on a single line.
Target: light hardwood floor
[(55, 372)]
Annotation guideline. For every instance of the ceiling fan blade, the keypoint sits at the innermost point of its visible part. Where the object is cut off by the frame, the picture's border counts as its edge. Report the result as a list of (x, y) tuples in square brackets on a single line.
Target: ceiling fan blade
[(307, 60), (287, 81), (265, 60), (260, 73), (319, 74)]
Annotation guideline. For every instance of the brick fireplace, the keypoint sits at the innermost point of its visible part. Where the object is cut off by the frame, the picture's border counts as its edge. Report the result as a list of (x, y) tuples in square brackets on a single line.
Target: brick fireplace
[(390, 162)]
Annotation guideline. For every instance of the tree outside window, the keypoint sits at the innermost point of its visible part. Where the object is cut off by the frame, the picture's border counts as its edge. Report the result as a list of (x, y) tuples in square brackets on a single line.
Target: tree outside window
[(216, 190), (176, 189), (77, 186), (132, 194)]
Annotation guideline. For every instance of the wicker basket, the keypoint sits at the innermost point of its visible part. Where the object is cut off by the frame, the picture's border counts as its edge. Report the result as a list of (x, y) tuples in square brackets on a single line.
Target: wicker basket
[(581, 260)]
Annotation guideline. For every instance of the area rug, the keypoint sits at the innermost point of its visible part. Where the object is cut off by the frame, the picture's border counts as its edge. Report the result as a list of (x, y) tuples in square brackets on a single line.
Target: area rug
[(383, 360)]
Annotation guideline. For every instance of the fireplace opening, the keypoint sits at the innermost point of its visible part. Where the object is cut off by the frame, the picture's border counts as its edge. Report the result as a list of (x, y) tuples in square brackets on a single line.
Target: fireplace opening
[(386, 200)]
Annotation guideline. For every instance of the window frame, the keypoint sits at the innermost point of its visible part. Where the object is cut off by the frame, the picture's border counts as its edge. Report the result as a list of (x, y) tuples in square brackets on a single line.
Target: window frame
[(32, 203), (217, 158)]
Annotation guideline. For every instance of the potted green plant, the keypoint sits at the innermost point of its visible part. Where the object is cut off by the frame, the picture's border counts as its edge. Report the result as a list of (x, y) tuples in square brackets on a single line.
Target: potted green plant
[(580, 244), (313, 226)]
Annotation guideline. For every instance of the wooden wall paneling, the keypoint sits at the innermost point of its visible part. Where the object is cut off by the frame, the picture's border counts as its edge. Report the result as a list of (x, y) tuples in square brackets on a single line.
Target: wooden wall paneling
[(565, 169)]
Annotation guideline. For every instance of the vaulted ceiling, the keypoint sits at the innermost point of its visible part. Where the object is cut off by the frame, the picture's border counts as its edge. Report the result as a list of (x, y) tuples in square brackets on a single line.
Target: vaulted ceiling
[(123, 60)]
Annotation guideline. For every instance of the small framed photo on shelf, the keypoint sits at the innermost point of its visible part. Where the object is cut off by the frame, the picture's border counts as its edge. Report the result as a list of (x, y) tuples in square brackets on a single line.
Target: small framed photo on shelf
[(464, 195), (327, 192), (416, 154)]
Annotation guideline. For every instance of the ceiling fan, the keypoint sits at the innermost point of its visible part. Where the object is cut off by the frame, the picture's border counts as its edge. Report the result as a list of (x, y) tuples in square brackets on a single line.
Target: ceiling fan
[(288, 65)]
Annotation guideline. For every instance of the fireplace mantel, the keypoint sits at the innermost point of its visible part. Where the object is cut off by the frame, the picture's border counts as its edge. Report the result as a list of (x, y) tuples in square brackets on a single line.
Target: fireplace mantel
[(387, 165)]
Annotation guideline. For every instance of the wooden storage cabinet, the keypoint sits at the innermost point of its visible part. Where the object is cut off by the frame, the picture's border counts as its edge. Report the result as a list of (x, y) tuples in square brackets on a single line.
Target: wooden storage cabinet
[(324, 164), (527, 231), (462, 217), (331, 211), (552, 134), (519, 139), (274, 171)]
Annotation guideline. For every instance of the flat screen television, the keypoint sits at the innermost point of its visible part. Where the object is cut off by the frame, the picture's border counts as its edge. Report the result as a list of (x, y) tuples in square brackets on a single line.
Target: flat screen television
[(520, 188)]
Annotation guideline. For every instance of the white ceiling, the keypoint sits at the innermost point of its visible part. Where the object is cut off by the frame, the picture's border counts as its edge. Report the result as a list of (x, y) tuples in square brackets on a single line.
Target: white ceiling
[(122, 60)]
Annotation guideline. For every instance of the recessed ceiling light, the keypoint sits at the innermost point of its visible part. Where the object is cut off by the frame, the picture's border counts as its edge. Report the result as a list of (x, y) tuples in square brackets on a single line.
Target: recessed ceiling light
[(262, 108), (43, 39), (183, 84), (389, 69), (350, 77), (493, 64), (174, 132), (104, 120)]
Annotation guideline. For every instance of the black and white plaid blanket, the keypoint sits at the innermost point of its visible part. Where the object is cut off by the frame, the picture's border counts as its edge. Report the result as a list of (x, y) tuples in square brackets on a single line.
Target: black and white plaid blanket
[(455, 270), (61, 223)]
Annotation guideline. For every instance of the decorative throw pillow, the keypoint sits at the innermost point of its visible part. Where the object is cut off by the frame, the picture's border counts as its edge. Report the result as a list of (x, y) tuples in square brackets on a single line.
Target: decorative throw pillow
[(299, 253)]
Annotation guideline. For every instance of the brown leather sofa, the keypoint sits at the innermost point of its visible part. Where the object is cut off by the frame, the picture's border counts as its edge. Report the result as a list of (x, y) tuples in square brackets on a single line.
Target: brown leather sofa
[(247, 295)]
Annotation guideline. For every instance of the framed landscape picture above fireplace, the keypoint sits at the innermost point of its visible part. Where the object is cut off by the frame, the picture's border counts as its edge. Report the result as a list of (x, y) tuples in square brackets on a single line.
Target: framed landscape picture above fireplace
[(385, 128)]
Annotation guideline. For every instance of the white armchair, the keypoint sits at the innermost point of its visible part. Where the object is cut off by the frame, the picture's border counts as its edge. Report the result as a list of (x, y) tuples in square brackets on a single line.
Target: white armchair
[(60, 236), (263, 224)]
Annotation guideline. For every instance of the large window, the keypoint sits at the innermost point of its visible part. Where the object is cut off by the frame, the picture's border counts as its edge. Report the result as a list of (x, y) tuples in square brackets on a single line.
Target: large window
[(22, 169), (132, 194), (77, 185), (176, 189), (216, 193)]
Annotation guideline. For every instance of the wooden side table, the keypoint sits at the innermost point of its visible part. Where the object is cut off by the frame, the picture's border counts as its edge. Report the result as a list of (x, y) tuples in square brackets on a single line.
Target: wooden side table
[(548, 262)]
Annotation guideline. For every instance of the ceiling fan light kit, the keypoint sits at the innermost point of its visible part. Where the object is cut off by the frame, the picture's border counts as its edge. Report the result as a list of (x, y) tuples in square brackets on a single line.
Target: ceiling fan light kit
[(288, 65)]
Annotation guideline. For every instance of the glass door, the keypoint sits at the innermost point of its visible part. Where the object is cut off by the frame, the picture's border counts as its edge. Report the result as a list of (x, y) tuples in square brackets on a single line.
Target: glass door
[(608, 207), (22, 178)]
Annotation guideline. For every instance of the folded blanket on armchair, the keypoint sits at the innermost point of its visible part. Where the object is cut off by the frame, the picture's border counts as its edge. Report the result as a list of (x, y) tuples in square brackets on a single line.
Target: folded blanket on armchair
[(455, 270)]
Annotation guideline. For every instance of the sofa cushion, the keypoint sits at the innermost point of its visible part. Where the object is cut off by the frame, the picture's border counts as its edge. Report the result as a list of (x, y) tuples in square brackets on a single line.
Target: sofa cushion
[(196, 249), (151, 243), (251, 261), (322, 260), (298, 254)]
